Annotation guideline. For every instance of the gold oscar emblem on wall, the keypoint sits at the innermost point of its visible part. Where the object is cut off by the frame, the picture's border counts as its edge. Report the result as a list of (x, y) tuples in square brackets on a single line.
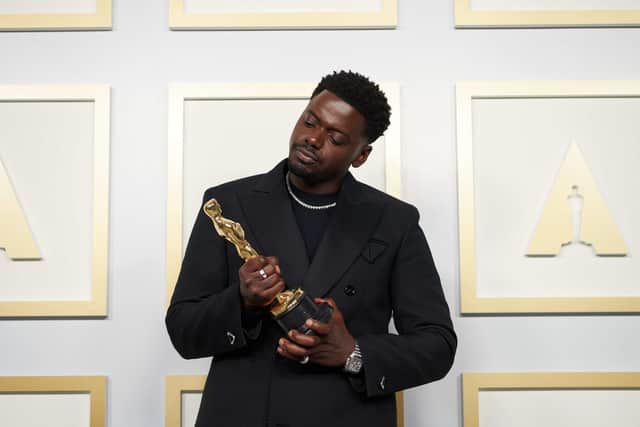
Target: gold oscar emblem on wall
[(15, 236), (589, 222)]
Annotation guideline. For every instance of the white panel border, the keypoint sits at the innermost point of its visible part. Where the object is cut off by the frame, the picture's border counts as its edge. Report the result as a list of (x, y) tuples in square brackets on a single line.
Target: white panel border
[(95, 386), (179, 20), (100, 96), (175, 386), (474, 383), (467, 17), (466, 92), (100, 20)]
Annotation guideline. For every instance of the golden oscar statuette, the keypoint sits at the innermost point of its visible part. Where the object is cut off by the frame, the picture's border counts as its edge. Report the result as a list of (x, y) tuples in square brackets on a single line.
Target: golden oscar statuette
[(290, 308)]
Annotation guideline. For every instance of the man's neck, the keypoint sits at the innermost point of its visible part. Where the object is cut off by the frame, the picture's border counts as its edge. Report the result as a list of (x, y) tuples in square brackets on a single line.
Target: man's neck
[(327, 187)]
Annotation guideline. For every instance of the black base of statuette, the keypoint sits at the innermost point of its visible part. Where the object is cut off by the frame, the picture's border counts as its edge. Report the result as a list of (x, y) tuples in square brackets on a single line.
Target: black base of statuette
[(296, 317)]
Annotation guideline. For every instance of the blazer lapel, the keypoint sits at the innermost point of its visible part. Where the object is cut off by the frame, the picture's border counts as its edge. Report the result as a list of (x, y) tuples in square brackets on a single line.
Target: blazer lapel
[(348, 232), (271, 221)]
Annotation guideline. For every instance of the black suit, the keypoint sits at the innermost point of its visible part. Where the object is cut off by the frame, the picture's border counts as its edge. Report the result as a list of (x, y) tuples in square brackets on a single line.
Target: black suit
[(373, 260)]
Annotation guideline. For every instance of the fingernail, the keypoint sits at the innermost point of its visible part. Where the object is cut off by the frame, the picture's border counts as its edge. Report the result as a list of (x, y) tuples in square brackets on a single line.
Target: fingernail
[(309, 322), (281, 342), (291, 333)]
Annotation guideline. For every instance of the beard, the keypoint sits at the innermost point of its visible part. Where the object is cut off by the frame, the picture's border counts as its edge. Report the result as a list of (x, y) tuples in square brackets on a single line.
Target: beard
[(299, 170)]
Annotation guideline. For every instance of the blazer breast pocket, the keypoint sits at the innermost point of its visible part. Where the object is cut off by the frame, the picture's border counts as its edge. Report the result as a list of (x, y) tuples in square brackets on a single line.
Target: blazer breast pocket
[(373, 249)]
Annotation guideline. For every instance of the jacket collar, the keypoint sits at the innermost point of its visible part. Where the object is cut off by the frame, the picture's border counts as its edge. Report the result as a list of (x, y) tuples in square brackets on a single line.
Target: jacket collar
[(271, 220)]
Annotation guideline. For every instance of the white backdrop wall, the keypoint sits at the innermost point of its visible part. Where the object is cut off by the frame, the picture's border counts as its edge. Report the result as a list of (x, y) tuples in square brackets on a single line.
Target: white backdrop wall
[(425, 55)]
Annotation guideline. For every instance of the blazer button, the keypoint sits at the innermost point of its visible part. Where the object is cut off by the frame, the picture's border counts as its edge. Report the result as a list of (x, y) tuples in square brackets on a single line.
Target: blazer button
[(349, 290)]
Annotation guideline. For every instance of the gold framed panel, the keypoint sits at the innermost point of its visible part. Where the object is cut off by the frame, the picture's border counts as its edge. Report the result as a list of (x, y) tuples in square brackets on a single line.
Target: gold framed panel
[(467, 17), (100, 20), (466, 93), (387, 17), (176, 385), (179, 93), (99, 95), (474, 383), (95, 386)]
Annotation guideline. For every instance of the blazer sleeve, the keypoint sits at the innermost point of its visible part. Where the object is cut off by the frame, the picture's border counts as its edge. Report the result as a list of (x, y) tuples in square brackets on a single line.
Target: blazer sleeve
[(205, 317), (424, 349)]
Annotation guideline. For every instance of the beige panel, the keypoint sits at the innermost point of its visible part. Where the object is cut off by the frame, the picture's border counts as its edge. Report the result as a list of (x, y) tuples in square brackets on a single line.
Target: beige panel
[(281, 6), (32, 15), (554, 4), (70, 219), (175, 387), (45, 409), (491, 13), (200, 14), (489, 398), (189, 408), (559, 408), (63, 392), (504, 189), (48, 6)]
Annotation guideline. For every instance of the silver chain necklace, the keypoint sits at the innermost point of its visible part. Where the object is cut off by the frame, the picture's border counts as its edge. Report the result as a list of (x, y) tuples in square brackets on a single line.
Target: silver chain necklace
[(303, 204)]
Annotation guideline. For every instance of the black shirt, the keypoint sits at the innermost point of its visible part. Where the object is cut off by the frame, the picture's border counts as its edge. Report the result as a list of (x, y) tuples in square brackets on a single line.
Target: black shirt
[(311, 222)]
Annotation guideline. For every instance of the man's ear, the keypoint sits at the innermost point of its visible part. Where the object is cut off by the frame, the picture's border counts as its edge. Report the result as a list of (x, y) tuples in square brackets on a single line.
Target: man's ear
[(363, 156)]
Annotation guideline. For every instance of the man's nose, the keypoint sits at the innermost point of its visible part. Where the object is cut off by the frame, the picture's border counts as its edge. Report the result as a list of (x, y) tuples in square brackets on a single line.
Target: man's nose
[(315, 138)]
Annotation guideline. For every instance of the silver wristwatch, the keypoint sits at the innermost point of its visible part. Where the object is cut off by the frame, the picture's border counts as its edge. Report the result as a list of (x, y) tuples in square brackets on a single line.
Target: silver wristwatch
[(353, 365)]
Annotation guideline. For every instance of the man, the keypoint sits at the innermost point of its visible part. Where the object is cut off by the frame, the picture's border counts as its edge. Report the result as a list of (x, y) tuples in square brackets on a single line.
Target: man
[(351, 246)]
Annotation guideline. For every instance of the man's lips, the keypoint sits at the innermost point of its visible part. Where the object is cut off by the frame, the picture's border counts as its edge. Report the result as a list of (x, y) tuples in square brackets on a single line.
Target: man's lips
[(305, 156)]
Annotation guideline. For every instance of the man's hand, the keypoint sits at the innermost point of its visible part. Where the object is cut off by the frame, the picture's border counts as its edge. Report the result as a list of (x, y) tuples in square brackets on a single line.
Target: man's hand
[(330, 347), (260, 281)]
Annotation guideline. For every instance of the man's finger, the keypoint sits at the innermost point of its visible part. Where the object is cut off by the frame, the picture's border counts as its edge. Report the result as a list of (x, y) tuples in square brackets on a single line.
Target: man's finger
[(270, 293), (255, 263), (283, 352), (264, 272), (274, 262), (303, 340), (329, 301), (318, 327), (293, 349)]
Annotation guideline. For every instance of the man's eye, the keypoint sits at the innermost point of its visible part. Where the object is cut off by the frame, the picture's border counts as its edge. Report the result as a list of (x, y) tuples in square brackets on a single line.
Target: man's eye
[(308, 124), (334, 141)]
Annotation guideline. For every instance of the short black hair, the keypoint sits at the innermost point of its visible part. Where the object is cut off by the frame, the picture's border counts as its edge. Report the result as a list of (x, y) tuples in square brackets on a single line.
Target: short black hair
[(363, 95)]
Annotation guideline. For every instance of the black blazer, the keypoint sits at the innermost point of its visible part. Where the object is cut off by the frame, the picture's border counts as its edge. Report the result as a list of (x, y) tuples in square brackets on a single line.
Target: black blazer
[(373, 260)]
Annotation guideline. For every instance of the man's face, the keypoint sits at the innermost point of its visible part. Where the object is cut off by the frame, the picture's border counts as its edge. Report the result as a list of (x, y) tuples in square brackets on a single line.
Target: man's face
[(328, 137)]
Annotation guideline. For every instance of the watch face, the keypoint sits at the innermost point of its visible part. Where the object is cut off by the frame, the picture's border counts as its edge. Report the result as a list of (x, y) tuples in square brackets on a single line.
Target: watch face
[(354, 364)]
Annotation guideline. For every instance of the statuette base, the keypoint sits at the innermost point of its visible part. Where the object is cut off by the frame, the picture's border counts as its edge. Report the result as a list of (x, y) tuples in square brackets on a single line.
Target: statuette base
[(299, 310)]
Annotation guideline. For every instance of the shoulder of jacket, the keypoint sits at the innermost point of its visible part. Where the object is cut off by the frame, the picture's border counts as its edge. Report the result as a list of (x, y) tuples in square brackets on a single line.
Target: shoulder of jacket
[(394, 206), (233, 187)]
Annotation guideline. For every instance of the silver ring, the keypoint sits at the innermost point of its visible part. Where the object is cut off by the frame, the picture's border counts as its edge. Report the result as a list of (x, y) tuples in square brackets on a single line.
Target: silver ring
[(263, 273), (305, 360)]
